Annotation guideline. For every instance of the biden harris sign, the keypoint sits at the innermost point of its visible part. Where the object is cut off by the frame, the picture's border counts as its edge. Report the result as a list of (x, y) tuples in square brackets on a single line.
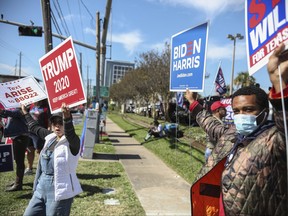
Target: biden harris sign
[(188, 58)]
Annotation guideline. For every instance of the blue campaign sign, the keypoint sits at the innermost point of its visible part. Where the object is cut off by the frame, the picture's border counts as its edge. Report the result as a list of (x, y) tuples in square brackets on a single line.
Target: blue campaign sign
[(6, 158), (188, 59), (266, 28)]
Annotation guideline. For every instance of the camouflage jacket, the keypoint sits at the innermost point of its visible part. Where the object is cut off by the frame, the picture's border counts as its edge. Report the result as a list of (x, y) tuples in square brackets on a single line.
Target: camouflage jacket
[(255, 180)]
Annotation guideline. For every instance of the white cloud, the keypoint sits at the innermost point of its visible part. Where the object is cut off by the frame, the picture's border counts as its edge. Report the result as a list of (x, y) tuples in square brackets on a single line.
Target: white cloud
[(160, 45), (218, 52), (70, 17), (130, 40), (210, 7), (90, 31), (7, 69)]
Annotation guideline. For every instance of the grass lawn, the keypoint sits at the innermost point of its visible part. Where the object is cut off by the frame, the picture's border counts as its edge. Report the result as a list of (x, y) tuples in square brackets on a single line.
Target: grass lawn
[(96, 178), (180, 155)]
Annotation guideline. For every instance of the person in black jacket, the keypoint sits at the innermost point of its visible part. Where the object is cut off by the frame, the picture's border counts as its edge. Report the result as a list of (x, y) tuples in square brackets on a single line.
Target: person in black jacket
[(17, 130)]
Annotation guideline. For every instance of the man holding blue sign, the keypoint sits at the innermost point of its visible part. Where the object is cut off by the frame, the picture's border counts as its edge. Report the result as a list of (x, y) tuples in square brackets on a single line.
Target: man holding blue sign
[(246, 174)]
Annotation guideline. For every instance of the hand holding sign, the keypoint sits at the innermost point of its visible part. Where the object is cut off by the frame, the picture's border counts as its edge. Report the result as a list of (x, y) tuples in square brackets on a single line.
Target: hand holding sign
[(66, 111), (275, 60)]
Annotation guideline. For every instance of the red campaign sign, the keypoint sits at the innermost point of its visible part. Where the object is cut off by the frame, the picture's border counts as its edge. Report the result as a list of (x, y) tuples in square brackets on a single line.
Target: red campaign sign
[(62, 77)]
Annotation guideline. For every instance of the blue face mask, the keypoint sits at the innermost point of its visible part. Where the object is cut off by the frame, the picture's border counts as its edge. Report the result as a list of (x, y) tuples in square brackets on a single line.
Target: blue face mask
[(245, 124)]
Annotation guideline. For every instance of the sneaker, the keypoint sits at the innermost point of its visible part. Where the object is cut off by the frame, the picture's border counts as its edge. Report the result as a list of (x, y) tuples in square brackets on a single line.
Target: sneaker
[(28, 171), (15, 187)]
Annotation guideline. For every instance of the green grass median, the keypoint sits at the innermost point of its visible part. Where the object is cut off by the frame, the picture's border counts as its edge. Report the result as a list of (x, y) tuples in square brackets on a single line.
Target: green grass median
[(106, 188)]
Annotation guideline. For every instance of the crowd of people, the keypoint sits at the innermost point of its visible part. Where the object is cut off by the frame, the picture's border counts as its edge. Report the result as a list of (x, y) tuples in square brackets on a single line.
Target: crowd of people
[(54, 138), (245, 172)]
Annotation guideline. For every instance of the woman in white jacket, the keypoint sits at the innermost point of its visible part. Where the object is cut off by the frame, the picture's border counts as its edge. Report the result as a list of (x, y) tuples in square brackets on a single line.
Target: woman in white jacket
[(55, 183)]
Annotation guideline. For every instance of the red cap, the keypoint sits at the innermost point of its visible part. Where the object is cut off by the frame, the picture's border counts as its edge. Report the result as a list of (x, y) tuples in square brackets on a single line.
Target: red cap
[(216, 105)]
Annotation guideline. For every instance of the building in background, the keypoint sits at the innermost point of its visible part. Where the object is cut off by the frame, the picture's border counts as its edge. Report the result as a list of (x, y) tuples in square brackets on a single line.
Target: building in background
[(115, 71)]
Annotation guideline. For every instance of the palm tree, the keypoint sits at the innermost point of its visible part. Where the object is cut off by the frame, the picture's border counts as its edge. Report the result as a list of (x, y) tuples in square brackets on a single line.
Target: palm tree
[(243, 79)]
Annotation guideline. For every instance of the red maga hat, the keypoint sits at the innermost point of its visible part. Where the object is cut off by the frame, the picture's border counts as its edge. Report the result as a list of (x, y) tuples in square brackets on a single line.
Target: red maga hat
[(216, 105)]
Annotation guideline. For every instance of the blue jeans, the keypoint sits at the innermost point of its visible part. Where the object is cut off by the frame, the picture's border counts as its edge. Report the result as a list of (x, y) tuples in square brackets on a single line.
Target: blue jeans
[(43, 200)]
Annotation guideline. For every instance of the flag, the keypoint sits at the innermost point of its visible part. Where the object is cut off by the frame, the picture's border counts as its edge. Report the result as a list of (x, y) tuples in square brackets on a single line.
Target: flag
[(179, 96), (220, 82)]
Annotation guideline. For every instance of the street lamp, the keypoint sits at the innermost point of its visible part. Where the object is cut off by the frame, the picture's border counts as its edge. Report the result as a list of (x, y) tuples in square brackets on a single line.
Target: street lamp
[(233, 38)]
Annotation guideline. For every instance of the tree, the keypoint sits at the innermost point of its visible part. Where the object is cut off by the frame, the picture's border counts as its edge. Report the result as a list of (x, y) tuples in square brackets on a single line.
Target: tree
[(243, 79)]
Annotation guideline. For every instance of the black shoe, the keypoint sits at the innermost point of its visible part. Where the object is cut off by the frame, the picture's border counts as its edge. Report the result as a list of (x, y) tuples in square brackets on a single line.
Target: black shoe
[(14, 187)]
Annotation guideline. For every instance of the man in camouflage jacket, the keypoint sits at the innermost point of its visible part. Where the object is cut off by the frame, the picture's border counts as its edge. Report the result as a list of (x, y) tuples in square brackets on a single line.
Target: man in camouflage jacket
[(246, 174)]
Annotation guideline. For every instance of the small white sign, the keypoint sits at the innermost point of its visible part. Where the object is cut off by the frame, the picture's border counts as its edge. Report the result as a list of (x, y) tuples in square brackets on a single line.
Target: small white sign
[(22, 91)]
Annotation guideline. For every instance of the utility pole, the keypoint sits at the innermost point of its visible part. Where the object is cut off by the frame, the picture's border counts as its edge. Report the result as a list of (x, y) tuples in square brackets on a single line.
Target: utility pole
[(80, 64), (87, 83), (20, 57), (16, 65), (103, 39), (97, 74), (47, 25)]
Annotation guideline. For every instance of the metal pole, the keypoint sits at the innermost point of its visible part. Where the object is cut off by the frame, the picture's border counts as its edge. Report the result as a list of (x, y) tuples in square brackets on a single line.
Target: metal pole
[(80, 64), (47, 25), (233, 60), (103, 39), (87, 83), (97, 74), (20, 65)]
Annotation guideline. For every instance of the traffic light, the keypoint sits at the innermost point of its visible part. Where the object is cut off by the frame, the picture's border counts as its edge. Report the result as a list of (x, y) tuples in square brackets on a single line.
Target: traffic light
[(30, 31)]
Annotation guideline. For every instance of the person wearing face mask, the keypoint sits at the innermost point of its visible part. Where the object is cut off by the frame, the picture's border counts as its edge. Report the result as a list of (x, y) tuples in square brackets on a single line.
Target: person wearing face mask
[(56, 182), (246, 173)]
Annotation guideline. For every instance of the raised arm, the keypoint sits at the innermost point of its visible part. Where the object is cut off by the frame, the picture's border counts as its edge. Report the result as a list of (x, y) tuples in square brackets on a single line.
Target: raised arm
[(278, 67), (278, 61), (69, 131), (33, 125)]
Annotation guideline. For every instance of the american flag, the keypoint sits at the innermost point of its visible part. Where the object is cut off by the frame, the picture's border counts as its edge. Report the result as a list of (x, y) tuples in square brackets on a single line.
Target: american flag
[(220, 82)]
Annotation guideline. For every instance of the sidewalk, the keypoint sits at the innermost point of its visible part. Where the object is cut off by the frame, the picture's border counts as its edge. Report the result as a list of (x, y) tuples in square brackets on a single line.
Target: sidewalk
[(160, 190)]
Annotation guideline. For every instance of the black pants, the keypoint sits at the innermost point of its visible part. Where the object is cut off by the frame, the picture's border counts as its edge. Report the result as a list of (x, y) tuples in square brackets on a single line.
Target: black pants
[(20, 144)]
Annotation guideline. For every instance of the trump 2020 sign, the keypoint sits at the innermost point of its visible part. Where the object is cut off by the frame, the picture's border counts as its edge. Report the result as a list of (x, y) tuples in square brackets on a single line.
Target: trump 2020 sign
[(61, 76), (266, 28), (188, 59)]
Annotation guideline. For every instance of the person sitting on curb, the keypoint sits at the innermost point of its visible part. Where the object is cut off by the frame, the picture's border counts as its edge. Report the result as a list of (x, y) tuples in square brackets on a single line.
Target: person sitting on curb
[(155, 130)]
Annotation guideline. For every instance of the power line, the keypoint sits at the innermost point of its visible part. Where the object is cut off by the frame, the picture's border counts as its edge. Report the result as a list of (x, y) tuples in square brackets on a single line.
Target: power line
[(55, 23), (61, 17), (88, 11)]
